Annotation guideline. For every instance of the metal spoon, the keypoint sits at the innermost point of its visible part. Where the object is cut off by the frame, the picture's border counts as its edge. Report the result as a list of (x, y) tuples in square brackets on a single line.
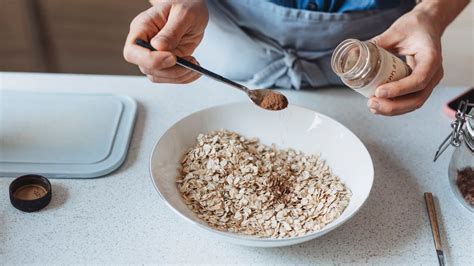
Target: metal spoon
[(260, 97)]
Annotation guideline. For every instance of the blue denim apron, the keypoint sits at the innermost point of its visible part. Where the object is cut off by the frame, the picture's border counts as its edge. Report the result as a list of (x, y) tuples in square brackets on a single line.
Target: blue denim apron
[(268, 45)]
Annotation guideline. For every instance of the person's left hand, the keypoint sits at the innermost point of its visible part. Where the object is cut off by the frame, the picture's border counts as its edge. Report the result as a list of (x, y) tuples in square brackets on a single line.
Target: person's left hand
[(416, 36)]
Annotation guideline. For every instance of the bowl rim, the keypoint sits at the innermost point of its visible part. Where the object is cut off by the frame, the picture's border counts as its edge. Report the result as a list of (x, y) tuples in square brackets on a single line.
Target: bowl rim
[(328, 228)]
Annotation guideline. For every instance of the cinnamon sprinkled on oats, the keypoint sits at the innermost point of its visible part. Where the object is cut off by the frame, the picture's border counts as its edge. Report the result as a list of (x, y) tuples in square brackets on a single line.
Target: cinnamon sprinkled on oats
[(239, 185)]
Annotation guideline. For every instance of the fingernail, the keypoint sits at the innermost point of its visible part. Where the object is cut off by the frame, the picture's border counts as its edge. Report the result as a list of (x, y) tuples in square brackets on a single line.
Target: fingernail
[(382, 93), (373, 111), (373, 104)]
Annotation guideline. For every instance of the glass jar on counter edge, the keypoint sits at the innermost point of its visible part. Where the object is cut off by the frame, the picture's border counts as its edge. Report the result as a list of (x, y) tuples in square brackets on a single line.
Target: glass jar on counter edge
[(461, 165)]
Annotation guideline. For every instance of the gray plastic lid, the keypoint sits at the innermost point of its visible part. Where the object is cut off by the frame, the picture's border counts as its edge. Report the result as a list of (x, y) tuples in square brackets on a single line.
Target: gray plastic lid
[(64, 135)]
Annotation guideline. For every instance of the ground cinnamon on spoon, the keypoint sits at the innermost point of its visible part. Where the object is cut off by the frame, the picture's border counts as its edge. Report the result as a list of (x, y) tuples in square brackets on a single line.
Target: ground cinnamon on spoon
[(274, 101)]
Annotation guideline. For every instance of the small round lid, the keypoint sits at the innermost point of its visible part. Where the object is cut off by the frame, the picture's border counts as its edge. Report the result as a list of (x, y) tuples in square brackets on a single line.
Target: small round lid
[(30, 193)]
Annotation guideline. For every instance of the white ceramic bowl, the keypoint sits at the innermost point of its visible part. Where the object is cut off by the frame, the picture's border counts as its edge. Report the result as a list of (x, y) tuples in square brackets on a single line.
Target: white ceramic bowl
[(294, 127)]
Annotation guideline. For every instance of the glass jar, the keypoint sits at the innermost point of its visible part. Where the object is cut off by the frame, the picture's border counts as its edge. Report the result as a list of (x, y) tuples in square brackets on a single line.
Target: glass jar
[(363, 66), (461, 165)]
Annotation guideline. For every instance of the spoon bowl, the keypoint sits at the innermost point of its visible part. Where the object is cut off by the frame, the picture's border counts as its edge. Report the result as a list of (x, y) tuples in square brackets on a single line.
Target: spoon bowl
[(268, 99)]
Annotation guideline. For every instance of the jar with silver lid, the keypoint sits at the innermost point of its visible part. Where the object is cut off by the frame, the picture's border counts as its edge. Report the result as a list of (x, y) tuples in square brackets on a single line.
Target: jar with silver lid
[(461, 166)]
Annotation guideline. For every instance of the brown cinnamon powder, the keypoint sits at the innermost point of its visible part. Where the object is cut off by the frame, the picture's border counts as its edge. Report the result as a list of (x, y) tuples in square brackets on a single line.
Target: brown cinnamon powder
[(465, 183), (274, 101)]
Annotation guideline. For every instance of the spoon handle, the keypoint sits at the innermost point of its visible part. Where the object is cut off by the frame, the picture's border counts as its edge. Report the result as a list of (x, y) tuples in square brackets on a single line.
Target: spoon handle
[(196, 68)]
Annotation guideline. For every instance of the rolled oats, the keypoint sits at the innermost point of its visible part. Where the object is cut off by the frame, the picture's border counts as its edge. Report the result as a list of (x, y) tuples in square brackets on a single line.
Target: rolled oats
[(239, 185)]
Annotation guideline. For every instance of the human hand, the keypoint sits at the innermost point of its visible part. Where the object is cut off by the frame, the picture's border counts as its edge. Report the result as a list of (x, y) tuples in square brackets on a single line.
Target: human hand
[(174, 28), (417, 36)]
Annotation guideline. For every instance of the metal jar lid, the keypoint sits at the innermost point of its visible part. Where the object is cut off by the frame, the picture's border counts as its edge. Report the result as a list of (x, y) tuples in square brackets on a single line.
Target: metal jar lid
[(469, 132), (463, 129)]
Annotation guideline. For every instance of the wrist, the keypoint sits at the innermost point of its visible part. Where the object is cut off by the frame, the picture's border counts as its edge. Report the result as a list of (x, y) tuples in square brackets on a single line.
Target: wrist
[(440, 12), (433, 10)]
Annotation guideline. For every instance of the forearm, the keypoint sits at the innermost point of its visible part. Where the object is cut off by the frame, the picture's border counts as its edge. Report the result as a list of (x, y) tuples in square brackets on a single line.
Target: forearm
[(443, 12)]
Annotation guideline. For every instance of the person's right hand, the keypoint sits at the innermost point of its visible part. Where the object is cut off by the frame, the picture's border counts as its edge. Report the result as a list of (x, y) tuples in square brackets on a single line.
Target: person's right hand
[(174, 28)]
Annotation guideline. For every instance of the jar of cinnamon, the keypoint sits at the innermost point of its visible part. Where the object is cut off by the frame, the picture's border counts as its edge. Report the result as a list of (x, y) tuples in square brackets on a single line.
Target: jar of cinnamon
[(461, 166), (363, 66)]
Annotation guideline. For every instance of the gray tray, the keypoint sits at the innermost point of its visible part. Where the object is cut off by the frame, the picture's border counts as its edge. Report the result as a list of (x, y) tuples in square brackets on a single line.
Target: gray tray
[(64, 135)]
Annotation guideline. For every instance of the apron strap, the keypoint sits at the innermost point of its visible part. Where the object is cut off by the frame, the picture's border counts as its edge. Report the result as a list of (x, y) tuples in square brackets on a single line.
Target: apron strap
[(291, 68)]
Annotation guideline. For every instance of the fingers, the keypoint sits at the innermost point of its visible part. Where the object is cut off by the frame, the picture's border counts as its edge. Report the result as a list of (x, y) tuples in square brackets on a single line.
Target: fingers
[(410, 60), (172, 72), (147, 59), (169, 37), (188, 45), (405, 103), (165, 30), (386, 40), (142, 27), (427, 63), (173, 28), (175, 74), (189, 77)]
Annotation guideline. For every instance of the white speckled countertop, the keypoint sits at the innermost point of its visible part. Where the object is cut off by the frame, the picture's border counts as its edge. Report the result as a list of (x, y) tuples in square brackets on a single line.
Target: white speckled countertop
[(120, 218)]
